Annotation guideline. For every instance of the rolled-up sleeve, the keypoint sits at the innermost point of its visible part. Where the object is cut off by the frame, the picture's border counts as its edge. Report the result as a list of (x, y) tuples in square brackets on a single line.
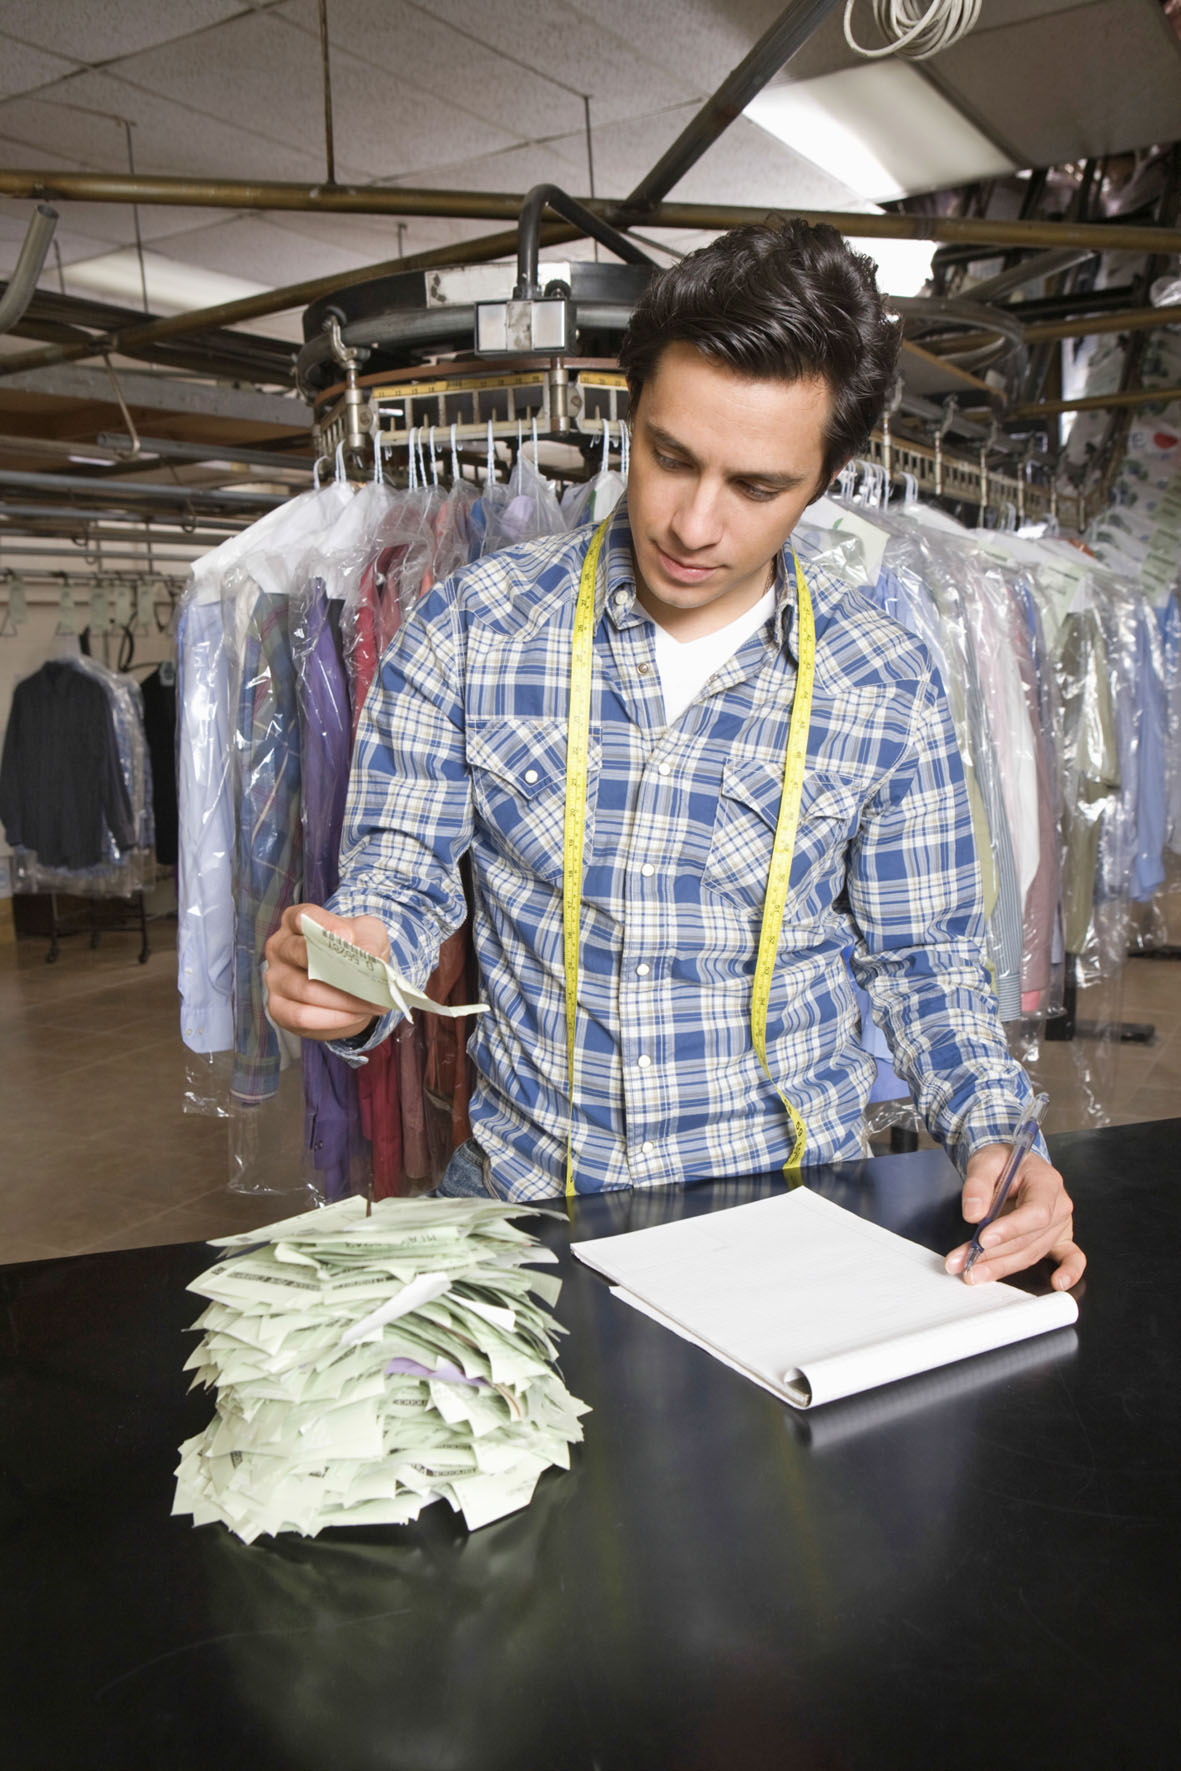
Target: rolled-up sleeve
[(408, 816), (914, 892)]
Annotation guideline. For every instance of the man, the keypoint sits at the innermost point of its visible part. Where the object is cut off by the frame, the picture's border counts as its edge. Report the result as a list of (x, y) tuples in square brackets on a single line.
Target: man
[(757, 368)]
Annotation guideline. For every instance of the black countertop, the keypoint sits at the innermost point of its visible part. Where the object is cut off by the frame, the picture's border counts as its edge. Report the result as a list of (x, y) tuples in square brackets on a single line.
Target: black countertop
[(979, 1565)]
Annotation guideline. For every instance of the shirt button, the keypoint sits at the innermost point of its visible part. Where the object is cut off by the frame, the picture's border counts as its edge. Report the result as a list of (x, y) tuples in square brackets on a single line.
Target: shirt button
[(647, 1148), (621, 599), (531, 776), (664, 769), (647, 870), (643, 1060), (642, 971), (643, 669)]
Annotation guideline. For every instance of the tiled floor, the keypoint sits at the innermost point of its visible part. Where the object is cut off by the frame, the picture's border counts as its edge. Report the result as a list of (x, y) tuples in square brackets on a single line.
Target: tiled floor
[(99, 1152)]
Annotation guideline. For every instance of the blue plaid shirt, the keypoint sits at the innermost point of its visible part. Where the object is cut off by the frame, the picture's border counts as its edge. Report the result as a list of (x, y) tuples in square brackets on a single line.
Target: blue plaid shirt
[(462, 746)]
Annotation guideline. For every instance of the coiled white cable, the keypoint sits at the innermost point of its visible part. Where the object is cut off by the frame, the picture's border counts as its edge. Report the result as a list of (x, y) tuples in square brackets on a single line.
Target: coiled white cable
[(915, 29)]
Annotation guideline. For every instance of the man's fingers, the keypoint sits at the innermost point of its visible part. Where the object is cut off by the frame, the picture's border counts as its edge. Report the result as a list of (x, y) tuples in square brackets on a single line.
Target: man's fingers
[(293, 990), (1072, 1263), (307, 1006), (1037, 1222)]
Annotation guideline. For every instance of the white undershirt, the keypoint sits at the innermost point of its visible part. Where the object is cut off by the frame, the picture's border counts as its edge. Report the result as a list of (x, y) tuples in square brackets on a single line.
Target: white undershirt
[(686, 666)]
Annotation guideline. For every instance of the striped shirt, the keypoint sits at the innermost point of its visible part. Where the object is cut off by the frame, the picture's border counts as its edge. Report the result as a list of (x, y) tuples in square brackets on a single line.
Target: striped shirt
[(462, 747)]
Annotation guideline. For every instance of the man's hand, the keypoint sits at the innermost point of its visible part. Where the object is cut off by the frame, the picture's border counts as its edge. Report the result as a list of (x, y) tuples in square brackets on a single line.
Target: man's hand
[(297, 1002), (1038, 1220)]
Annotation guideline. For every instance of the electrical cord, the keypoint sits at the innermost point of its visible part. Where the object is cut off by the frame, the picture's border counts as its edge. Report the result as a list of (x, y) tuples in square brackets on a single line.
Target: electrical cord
[(915, 29)]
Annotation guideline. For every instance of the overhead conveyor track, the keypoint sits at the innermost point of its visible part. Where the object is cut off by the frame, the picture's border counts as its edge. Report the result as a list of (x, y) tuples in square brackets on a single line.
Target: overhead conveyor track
[(973, 367)]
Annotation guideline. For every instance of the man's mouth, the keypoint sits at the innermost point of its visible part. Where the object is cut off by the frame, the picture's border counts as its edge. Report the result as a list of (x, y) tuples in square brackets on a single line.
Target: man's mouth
[(682, 571)]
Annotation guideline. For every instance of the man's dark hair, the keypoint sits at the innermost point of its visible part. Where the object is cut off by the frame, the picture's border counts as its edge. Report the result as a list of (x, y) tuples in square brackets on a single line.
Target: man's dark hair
[(780, 301)]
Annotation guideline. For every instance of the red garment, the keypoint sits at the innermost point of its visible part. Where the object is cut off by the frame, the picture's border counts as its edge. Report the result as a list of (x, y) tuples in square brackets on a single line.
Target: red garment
[(414, 1089)]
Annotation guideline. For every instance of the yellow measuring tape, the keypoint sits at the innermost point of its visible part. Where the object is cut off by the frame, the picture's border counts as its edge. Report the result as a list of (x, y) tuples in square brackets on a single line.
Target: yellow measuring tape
[(574, 828)]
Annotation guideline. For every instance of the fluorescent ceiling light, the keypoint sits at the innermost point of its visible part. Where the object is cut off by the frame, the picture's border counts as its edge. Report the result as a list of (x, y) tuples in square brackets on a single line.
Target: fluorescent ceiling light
[(881, 130), (173, 287)]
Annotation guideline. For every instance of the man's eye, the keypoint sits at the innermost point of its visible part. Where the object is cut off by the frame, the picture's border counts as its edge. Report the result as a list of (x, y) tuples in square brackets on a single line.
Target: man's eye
[(761, 494), (669, 462)]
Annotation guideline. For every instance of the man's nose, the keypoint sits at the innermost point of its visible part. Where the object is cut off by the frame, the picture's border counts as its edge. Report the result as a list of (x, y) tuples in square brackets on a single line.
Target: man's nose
[(697, 519)]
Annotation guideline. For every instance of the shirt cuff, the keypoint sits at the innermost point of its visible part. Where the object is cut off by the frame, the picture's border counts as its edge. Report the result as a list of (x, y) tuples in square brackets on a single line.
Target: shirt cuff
[(993, 1123), (353, 1051), (405, 958)]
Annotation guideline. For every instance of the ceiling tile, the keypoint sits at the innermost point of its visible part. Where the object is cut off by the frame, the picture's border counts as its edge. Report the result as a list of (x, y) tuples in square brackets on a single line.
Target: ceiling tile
[(14, 221), (556, 41), (560, 161), (454, 78), (745, 165), (239, 247), (1046, 84), (262, 70), (23, 69), (169, 136), (101, 30), (697, 41)]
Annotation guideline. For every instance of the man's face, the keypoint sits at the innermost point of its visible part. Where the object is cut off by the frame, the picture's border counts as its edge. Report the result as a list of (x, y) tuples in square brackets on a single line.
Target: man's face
[(721, 469)]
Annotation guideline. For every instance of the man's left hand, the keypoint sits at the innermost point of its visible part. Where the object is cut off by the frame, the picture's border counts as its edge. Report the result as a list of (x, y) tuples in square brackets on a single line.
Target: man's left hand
[(1038, 1220)]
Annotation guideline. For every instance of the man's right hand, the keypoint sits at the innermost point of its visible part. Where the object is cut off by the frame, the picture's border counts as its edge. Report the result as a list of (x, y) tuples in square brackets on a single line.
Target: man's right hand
[(300, 1004)]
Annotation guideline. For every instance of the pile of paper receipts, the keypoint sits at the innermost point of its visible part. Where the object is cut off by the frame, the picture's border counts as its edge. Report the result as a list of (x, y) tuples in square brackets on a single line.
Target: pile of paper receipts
[(367, 1365)]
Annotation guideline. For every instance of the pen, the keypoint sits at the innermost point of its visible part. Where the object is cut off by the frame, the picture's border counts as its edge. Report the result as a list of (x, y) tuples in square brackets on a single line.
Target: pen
[(1022, 1144)]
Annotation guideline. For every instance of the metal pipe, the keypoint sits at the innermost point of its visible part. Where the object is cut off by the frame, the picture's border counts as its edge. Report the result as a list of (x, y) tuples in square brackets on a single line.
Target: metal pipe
[(158, 568), (776, 46), (550, 196), (12, 444), (157, 534), (1141, 319), (165, 449), (23, 283), (1113, 237), (277, 301), (1101, 236), (933, 310), (329, 143), (1046, 264), (1131, 397), (104, 488), (77, 514)]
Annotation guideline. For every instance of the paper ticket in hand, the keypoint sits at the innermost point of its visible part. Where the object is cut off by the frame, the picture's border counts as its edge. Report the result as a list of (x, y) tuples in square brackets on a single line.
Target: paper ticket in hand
[(333, 960)]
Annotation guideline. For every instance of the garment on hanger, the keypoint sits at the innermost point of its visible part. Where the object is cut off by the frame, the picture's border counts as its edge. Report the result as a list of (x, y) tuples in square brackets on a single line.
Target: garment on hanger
[(62, 789), (281, 635), (269, 868), (210, 636), (590, 501), (334, 1139), (1170, 622), (159, 704)]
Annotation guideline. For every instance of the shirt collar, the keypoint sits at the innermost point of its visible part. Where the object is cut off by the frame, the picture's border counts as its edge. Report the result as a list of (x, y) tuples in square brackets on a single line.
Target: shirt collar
[(615, 593)]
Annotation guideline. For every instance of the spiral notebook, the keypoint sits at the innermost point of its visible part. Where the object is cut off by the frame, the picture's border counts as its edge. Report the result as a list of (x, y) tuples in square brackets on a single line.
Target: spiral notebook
[(811, 1301)]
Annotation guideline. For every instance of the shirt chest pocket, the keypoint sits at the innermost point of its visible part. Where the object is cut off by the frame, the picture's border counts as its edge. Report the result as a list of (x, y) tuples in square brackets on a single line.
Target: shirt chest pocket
[(518, 774), (739, 859)]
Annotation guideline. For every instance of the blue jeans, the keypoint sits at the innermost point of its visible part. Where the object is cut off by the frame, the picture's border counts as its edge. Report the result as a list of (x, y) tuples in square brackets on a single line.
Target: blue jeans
[(464, 1176)]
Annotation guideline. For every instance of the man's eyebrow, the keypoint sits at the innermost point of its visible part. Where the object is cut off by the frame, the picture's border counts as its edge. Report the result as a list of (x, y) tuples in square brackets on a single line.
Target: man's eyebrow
[(780, 482)]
